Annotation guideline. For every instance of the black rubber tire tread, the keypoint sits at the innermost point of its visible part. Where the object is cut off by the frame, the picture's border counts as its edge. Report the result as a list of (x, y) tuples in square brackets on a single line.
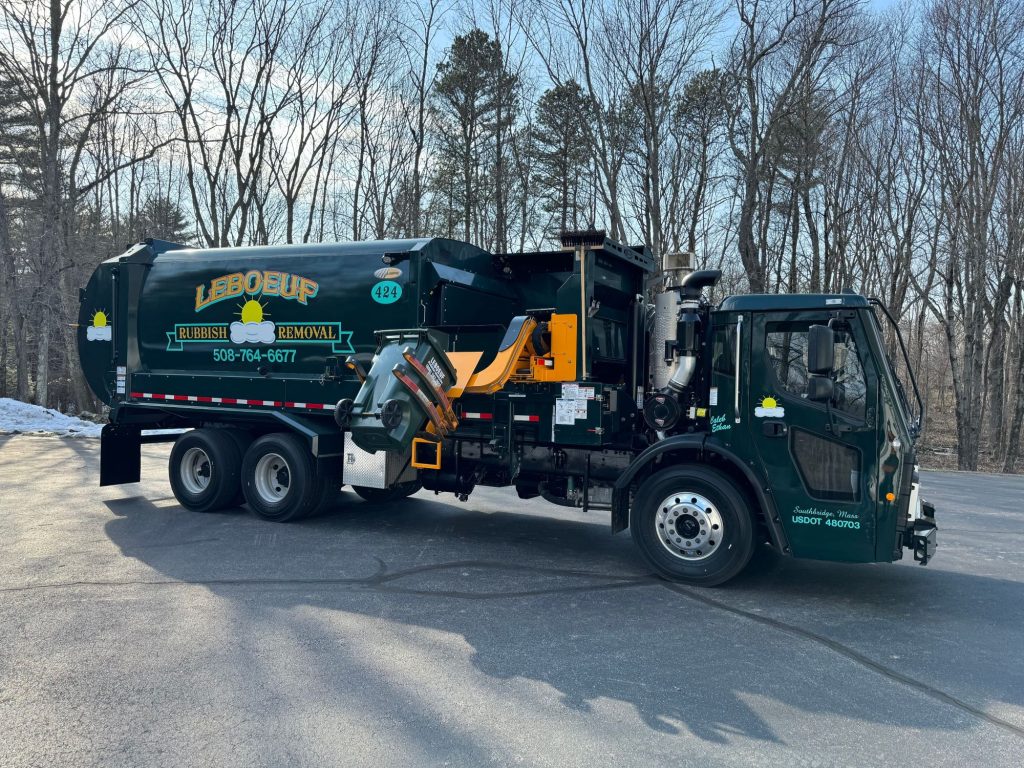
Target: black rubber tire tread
[(225, 470), (386, 495), (305, 492), (737, 546)]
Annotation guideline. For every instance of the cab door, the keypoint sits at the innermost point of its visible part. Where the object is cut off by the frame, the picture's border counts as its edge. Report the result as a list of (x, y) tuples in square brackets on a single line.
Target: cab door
[(818, 457)]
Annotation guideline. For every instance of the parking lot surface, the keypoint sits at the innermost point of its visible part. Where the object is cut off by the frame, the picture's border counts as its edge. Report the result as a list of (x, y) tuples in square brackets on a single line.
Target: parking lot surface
[(492, 632)]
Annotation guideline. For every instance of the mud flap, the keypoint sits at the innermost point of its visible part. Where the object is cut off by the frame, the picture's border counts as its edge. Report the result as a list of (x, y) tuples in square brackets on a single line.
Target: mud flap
[(120, 454)]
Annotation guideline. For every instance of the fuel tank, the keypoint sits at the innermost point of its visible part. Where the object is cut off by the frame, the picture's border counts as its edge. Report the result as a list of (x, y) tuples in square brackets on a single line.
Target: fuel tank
[(275, 323)]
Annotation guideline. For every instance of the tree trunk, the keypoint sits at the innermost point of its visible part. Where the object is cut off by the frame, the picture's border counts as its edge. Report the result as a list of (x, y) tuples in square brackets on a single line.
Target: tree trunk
[(500, 214), (995, 391), (749, 254), (7, 290), (812, 234), (82, 396), (794, 212), (1013, 433), (467, 203), (43, 359)]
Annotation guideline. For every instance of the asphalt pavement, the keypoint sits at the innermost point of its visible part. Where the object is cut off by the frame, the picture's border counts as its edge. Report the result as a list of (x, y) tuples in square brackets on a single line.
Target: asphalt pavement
[(492, 632)]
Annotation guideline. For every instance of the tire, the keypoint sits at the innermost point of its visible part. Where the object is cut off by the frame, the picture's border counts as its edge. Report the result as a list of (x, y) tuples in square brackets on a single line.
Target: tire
[(692, 525), (204, 470), (386, 495), (279, 478)]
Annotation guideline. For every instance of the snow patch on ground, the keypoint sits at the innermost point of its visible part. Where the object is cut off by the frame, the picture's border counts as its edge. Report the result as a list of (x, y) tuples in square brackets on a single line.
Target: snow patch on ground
[(17, 417)]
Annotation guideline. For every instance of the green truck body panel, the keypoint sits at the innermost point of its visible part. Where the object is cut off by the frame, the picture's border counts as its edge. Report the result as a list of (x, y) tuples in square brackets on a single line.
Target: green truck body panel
[(262, 323)]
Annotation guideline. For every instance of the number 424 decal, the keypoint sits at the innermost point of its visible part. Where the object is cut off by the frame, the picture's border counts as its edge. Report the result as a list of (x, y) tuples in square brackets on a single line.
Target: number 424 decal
[(386, 292)]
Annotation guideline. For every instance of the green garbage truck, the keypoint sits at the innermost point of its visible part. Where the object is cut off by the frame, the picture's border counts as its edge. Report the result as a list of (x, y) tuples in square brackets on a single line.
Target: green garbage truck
[(583, 375)]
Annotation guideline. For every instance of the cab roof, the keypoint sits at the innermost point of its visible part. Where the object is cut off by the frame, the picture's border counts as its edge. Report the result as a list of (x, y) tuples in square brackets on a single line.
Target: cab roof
[(772, 302)]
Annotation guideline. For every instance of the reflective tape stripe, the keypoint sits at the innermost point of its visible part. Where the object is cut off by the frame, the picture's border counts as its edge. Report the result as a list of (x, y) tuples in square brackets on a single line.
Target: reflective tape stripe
[(229, 401)]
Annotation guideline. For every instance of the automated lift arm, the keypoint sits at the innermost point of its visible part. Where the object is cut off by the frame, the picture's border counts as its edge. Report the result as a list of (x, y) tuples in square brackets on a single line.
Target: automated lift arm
[(532, 350)]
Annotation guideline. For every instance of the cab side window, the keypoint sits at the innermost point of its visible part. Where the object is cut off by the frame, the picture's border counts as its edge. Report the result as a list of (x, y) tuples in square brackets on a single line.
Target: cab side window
[(724, 350), (786, 347)]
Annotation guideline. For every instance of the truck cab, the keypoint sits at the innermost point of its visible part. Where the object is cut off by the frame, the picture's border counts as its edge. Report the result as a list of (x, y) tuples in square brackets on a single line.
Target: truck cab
[(820, 412), (795, 415)]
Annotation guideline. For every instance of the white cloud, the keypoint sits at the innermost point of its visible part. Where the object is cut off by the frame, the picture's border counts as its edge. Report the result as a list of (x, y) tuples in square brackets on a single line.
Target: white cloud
[(253, 333), (98, 333)]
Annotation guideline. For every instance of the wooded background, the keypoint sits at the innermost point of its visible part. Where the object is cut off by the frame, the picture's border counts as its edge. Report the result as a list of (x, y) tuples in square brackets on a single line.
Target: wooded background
[(799, 145)]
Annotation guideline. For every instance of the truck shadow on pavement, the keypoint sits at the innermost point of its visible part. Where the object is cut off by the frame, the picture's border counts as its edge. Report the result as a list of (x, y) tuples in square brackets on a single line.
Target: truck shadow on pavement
[(597, 628)]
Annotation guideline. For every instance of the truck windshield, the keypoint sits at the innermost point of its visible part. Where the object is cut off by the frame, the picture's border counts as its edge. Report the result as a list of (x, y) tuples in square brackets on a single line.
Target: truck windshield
[(914, 421)]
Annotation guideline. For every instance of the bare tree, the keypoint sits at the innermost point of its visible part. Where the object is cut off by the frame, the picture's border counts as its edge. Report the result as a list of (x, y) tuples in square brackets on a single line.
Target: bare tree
[(777, 54), (663, 38), (418, 44), (318, 54), (567, 35), (71, 65), (973, 60), (220, 68)]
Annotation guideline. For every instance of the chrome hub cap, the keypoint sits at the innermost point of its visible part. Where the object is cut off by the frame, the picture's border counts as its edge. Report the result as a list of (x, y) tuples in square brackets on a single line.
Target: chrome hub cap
[(194, 470), (273, 478), (689, 526)]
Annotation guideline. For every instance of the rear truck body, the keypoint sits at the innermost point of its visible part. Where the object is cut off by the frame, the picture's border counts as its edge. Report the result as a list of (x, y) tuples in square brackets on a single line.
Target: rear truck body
[(398, 365)]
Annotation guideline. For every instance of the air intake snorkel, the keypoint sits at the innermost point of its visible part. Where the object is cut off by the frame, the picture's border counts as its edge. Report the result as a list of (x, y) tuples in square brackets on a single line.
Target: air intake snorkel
[(663, 408), (688, 326)]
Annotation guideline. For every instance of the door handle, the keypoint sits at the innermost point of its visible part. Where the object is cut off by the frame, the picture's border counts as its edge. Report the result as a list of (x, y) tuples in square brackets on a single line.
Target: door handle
[(842, 429), (774, 428)]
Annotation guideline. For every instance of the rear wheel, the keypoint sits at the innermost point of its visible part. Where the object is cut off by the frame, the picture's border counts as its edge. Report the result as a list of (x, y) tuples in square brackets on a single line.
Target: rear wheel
[(692, 525), (204, 470), (279, 478), (385, 495)]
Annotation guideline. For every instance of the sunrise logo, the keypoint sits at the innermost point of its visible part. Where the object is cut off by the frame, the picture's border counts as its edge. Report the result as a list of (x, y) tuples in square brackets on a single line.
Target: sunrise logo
[(252, 327), (768, 407), (100, 328)]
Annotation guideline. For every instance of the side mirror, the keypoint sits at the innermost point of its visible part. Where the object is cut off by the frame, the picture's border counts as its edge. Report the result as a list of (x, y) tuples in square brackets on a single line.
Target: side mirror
[(821, 355), (820, 389)]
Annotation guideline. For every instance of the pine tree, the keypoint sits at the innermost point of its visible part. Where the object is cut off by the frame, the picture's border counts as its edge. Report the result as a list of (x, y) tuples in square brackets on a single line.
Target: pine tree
[(19, 175), (476, 103), (563, 152), (163, 219)]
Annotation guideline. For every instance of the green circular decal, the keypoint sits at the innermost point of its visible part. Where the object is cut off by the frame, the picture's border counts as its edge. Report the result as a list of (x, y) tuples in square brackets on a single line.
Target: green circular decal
[(386, 292)]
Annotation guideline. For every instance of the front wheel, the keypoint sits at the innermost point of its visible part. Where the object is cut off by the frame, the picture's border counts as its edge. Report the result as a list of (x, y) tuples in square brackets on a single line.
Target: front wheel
[(692, 525)]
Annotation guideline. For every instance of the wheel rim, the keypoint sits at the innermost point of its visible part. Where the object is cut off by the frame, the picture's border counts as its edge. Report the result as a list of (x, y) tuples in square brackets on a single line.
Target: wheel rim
[(689, 526), (272, 478), (195, 470)]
